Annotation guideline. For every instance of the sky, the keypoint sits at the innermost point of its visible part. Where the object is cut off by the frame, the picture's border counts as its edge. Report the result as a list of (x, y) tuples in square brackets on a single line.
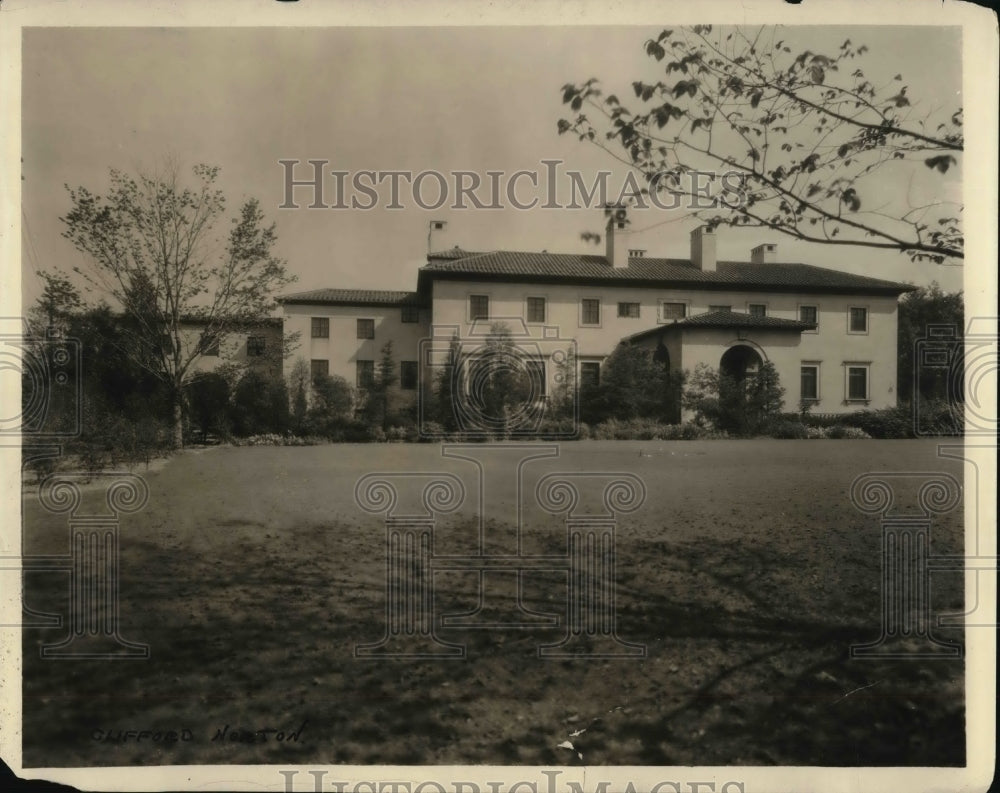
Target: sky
[(439, 98)]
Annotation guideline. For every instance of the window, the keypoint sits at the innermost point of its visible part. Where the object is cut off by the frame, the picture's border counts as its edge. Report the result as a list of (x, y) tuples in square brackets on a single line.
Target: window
[(809, 379), (479, 307), (366, 329), (720, 308), (757, 310), (857, 382), (673, 311), (628, 310), (808, 314), (536, 309), (536, 375), (590, 311), (410, 314), (408, 375), (857, 320), (255, 346), (318, 368), (366, 374), (321, 327), (590, 374)]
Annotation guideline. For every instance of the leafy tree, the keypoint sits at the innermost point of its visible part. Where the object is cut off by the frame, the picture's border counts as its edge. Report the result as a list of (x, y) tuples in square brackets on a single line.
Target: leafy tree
[(918, 310), (259, 404), (156, 250), (739, 405), (208, 402), (634, 384), (332, 402), (444, 388), (298, 390), (383, 396), (497, 381), (809, 135)]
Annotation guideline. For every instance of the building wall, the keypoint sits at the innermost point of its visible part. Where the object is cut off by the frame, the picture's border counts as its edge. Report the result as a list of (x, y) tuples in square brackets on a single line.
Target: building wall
[(830, 345), (233, 350), (343, 349)]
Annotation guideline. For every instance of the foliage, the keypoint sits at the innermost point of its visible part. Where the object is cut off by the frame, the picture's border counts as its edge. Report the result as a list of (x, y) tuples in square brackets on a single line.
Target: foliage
[(650, 430), (383, 399), (260, 405), (154, 250), (810, 137), (208, 403), (444, 389), (738, 406), (918, 310), (633, 385), (298, 390)]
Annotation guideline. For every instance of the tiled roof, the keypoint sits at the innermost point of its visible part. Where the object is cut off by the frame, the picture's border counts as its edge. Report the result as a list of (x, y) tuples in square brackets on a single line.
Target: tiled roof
[(452, 253), (513, 265), (726, 319), (353, 297)]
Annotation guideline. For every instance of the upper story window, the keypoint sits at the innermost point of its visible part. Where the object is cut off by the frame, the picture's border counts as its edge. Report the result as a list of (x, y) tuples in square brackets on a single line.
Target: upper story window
[(410, 314), (628, 310), (590, 311), (321, 327), (757, 310), (256, 346), (670, 311), (808, 314), (857, 319), (366, 329), (479, 307), (536, 309)]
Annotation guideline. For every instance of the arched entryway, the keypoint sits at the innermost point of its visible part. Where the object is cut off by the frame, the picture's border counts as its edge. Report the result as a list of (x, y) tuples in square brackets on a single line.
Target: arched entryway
[(740, 361)]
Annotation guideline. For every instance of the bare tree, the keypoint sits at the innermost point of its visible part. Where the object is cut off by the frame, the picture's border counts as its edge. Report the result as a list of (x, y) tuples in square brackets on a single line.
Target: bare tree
[(808, 135), (156, 249)]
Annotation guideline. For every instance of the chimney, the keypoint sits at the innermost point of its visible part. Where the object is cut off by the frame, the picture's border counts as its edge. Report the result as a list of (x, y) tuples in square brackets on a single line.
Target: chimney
[(764, 254), (703, 249), (616, 250)]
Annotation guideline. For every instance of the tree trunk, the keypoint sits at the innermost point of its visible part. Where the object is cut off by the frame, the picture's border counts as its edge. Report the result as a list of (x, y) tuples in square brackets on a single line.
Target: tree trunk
[(178, 441)]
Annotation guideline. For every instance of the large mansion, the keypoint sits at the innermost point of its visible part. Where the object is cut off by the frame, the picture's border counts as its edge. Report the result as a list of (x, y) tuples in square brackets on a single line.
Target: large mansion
[(831, 335)]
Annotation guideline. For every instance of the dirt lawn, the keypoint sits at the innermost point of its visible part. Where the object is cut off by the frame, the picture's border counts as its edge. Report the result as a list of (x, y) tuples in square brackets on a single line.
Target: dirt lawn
[(252, 575)]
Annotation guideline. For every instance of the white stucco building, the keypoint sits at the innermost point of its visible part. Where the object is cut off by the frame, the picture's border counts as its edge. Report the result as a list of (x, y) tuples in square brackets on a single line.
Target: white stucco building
[(831, 335)]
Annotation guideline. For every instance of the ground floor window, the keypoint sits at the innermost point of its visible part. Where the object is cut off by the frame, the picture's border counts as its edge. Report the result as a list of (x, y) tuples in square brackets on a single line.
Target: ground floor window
[(857, 382), (536, 375), (319, 368), (366, 374), (255, 346), (590, 374), (809, 379), (408, 375)]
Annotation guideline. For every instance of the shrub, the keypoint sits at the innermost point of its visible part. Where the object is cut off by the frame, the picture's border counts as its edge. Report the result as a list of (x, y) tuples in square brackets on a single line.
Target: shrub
[(840, 432), (782, 428)]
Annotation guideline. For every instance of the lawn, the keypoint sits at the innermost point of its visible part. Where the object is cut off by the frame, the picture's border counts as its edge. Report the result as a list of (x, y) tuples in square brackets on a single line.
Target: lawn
[(252, 575)]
